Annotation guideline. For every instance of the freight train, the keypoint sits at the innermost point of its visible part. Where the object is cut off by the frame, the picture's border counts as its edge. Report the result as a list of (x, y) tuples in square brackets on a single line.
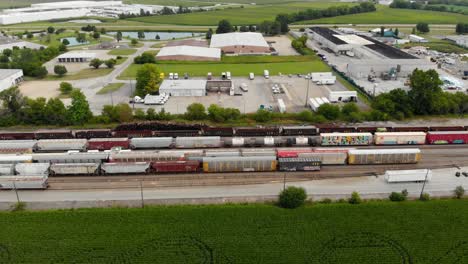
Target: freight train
[(31, 171)]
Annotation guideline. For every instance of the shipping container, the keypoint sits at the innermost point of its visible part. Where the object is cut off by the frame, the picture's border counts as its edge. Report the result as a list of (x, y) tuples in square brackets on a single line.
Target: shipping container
[(125, 168), (299, 130), (18, 144), (345, 139), (7, 169), (32, 169), (395, 176), (53, 134), (9, 135), (198, 142), (108, 143), (23, 182), (15, 158), (144, 156), (447, 137), (61, 144), (239, 164), (151, 142), (71, 157), (175, 166), (61, 169), (400, 138), (93, 133), (299, 164), (383, 156)]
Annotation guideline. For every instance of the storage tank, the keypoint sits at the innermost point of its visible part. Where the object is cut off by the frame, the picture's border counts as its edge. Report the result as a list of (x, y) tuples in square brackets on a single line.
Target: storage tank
[(383, 156), (125, 168), (447, 137), (299, 164), (175, 166), (62, 169), (32, 169), (198, 142), (345, 139), (108, 143), (151, 142), (71, 157), (234, 141), (239, 164), (396, 176), (7, 169), (61, 144), (400, 138)]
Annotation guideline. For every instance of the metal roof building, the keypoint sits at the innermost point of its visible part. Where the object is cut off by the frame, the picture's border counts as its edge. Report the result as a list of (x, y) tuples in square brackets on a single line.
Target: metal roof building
[(183, 87), (76, 57), (240, 43), (10, 77), (189, 53)]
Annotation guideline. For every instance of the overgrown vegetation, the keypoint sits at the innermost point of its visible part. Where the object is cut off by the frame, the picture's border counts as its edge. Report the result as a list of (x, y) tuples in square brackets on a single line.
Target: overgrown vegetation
[(29, 60), (292, 197)]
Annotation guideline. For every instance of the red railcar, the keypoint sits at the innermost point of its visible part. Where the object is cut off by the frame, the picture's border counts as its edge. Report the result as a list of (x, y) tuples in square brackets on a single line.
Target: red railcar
[(292, 153), (176, 166), (93, 133), (108, 143), (410, 129), (132, 133), (54, 134), (6, 135), (447, 137)]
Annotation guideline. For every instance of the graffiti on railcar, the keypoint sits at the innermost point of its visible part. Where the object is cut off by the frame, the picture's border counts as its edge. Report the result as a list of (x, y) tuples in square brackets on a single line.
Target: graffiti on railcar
[(346, 140)]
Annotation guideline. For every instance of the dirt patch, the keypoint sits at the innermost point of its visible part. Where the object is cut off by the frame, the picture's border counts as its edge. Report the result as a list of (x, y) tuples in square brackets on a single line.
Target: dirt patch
[(35, 89)]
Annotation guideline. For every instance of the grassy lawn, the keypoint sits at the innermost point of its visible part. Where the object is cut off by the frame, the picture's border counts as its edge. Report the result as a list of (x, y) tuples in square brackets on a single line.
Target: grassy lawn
[(111, 87), (121, 60), (441, 46), (236, 69), (83, 74), (386, 15), (375, 232), (121, 52), (237, 16)]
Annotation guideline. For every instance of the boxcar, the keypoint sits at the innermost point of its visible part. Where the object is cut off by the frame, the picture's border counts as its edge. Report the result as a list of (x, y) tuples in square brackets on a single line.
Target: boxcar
[(151, 142), (327, 157), (218, 131), (299, 164), (175, 166), (345, 139), (239, 164), (222, 153), (14, 158), (108, 143), (383, 156), (400, 138), (410, 129), (62, 169), (24, 182), (447, 137), (198, 142), (92, 133), (8, 135), (298, 130), (61, 144), (450, 128), (125, 168), (291, 152), (71, 157), (256, 131), (32, 169), (7, 169), (258, 152), (53, 134)]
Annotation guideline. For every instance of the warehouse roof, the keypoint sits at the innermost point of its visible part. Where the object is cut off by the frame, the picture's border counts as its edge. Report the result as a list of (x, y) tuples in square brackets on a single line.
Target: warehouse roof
[(89, 55), (238, 39), (188, 42), (183, 84), (387, 51), (5, 73), (354, 39), (190, 51), (328, 34)]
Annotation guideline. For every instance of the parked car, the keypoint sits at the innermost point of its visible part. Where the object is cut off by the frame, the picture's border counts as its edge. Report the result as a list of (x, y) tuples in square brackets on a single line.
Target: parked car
[(171, 76), (186, 76), (251, 76), (209, 76), (176, 76)]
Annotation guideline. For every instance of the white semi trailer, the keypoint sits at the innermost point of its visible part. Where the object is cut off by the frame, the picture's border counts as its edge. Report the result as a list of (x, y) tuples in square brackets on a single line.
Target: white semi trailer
[(396, 176)]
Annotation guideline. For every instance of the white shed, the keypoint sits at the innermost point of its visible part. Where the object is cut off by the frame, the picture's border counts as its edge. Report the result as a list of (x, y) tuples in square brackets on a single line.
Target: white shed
[(183, 87), (10, 77)]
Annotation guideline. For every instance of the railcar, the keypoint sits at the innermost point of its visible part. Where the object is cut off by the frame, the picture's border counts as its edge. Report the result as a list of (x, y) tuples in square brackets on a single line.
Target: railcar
[(53, 134), (108, 143), (11, 135), (299, 164), (92, 133), (23, 182), (61, 144), (383, 156), (71, 157), (175, 166), (346, 139), (239, 164), (400, 138), (447, 137), (125, 168), (73, 169), (151, 142), (299, 131)]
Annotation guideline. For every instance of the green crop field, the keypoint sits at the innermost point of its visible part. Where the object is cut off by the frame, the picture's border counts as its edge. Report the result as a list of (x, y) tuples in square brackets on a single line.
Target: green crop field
[(416, 232), (237, 16), (386, 15)]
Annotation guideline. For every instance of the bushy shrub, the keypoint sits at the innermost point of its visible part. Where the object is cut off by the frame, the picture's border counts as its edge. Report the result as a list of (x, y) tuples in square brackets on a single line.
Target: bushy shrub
[(459, 192), (355, 198), (425, 197), (292, 197), (397, 197)]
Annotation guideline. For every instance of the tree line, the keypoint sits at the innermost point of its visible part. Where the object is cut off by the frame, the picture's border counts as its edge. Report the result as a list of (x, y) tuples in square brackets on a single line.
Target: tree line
[(29, 60), (404, 4)]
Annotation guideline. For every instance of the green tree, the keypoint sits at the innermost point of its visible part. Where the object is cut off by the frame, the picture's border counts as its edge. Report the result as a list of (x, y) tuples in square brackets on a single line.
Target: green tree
[(224, 26), (329, 111), (12, 100), (292, 197), (355, 198), (118, 36), (65, 88), (459, 192), (96, 35), (50, 30), (55, 112), (263, 115), (425, 90), (148, 80), (81, 37), (29, 35), (60, 70), (209, 33), (141, 34), (110, 63), (144, 58), (195, 111), (422, 27), (103, 31), (33, 111), (65, 42), (243, 29), (396, 32), (95, 63), (78, 112), (397, 197), (7, 52), (349, 108), (134, 42), (283, 20), (157, 37)]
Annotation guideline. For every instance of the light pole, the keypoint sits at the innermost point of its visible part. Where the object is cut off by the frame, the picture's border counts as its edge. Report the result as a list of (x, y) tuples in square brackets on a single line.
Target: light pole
[(141, 195), (424, 184), (16, 192), (307, 93)]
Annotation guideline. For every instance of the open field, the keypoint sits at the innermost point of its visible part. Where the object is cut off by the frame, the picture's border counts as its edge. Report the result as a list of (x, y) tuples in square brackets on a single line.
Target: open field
[(386, 15), (83, 74), (111, 87), (236, 69), (408, 232), (237, 16)]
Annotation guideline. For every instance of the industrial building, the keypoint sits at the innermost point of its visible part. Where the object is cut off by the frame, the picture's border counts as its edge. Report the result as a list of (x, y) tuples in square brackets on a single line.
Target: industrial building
[(183, 87), (239, 43), (188, 42), (339, 44), (10, 77), (189, 53), (9, 43), (460, 40), (76, 57)]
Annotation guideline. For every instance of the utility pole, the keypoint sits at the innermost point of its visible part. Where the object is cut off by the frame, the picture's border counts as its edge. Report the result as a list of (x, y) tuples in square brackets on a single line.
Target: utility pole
[(141, 195), (133, 93), (16, 192), (424, 184)]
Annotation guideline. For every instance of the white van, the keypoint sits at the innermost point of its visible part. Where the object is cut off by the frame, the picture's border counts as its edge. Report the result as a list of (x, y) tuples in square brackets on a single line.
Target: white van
[(266, 73), (171, 76), (251, 76), (176, 76), (228, 75), (244, 87)]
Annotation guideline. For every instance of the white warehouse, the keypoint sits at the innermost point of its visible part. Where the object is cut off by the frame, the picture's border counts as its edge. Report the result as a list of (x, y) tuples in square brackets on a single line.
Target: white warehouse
[(76, 57), (10, 77), (183, 87)]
